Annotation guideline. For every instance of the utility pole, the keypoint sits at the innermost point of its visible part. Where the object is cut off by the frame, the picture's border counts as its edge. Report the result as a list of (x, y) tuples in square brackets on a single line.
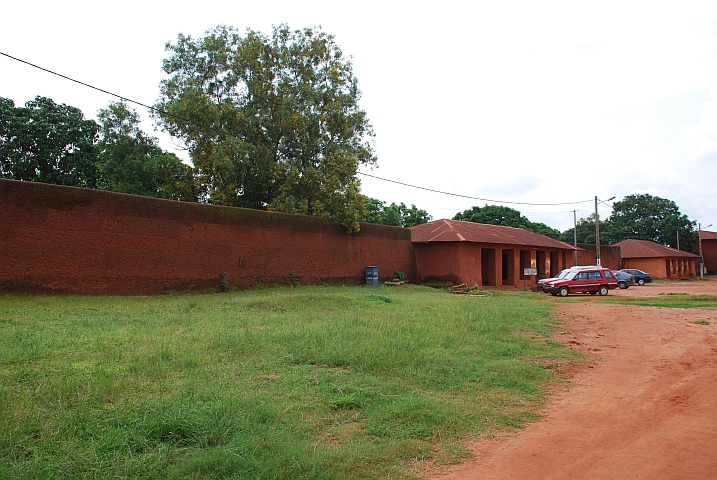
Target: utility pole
[(597, 234), (575, 237), (702, 255), (597, 229)]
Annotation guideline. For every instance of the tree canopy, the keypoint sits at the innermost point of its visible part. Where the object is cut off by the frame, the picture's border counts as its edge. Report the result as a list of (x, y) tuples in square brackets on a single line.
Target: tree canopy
[(271, 122), (646, 217), (642, 217), (586, 232), (47, 142), (398, 215), (132, 162), (505, 216)]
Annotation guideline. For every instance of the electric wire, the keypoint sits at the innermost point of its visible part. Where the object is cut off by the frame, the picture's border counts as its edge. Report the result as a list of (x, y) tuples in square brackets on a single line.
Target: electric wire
[(469, 197), (164, 112)]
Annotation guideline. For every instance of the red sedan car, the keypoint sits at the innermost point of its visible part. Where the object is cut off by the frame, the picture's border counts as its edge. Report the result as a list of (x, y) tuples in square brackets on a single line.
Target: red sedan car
[(592, 281)]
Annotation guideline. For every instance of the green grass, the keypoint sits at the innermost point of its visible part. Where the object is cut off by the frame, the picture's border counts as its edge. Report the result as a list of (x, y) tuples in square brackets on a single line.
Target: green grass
[(700, 322), (304, 382), (666, 300)]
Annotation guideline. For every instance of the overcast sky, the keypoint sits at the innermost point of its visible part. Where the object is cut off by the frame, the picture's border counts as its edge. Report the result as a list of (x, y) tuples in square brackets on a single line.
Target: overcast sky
[(530, 102)]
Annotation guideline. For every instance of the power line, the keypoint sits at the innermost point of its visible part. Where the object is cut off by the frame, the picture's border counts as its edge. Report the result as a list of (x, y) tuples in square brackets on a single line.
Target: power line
[(125, 99), (469, 197), (154, 109), (81, 83)]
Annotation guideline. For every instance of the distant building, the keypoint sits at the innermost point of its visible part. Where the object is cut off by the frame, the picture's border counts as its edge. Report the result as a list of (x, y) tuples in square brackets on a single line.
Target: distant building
[(455, 252), (709, 250), (658, 260)]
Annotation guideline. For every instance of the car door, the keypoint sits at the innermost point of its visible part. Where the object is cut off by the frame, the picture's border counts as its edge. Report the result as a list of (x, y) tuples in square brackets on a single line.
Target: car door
[(581, 282), (594, 280)]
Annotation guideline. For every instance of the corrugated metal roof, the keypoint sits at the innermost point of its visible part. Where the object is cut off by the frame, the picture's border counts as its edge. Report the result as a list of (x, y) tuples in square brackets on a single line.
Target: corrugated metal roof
[(646, 249), (709, 235), (460, 231)]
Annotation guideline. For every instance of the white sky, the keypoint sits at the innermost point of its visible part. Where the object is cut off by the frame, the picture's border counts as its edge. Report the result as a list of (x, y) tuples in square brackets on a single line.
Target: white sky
[(536, 102)]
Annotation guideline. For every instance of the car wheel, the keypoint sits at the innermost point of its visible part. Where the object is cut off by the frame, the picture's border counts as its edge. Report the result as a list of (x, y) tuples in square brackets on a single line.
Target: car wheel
[(622, 285), (554, 294), (563, 291), (641, 282), (603, 290)]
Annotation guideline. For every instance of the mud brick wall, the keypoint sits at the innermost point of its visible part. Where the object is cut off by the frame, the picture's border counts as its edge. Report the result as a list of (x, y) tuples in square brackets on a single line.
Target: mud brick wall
[(610, 256), (81, 241)]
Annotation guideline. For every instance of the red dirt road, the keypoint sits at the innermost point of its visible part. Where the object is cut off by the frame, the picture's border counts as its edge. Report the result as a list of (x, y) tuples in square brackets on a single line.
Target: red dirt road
[(644, 407)]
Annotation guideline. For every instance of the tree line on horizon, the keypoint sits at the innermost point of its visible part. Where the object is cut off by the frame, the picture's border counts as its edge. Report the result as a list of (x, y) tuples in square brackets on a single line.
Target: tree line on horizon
[(637, 216), (53, 143), (270, 122)]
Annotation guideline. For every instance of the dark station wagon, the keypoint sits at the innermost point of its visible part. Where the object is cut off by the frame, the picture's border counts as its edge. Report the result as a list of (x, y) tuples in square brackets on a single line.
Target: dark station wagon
[(640, 277), (592, 281)]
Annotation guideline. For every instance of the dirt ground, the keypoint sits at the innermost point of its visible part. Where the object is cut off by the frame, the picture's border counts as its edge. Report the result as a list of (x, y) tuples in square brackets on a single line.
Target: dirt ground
[(643, 407)]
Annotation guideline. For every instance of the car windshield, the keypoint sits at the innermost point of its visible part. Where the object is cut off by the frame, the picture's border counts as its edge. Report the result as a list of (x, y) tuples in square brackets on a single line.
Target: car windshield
[(563, 273), (571, 274)]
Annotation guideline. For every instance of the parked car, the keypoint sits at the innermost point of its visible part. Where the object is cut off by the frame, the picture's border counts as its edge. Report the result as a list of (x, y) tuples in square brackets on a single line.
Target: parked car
[(624, 280), (640, 277), (592, 281), (543, 281)]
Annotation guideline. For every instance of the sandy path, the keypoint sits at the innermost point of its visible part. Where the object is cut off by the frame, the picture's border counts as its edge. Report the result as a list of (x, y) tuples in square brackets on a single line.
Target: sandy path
[(644, 407)]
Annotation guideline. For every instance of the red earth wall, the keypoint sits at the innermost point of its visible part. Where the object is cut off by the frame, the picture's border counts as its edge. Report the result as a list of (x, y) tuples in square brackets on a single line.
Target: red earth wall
[(709, 250), (73, 240), (610, 256)]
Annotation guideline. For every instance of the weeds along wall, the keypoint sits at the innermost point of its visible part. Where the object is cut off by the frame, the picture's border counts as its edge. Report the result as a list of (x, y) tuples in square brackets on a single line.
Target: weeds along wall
[(74, 240)]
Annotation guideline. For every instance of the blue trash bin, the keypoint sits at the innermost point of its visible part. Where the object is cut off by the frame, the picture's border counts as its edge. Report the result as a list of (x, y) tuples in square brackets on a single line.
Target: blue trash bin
[(371, 275)]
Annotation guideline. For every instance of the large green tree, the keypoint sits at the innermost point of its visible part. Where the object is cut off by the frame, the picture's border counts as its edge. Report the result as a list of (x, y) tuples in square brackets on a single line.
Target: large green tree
[(132, 162), (646, 217), (271, 122), (47, 142), (398, 215), (505, 216)]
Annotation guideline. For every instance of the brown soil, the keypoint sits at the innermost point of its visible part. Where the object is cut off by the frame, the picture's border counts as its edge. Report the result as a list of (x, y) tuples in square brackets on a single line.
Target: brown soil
[(644, 406)]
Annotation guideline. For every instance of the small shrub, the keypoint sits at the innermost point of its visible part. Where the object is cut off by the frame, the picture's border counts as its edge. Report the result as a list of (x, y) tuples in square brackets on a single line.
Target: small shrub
[(223, 282), (701, 322), (399, 275)]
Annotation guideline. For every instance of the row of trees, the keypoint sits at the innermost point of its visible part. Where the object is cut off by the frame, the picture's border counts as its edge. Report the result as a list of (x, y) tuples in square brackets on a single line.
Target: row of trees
[(270, 121), (506, 216), (639, 216), (53, 143), (642, 217)]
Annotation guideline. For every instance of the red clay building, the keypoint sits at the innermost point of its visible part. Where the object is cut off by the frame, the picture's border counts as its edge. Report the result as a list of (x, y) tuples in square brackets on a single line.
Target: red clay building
[(455, 252), (709, 250), (658, 260)]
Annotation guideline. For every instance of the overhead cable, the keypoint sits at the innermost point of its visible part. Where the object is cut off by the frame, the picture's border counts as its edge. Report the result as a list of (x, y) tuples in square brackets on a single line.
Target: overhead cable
[(466, 196), (164, 112)]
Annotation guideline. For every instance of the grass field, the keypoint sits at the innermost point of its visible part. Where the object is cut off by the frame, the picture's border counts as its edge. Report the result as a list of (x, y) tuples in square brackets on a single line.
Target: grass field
[(666, 300), (303, 382)]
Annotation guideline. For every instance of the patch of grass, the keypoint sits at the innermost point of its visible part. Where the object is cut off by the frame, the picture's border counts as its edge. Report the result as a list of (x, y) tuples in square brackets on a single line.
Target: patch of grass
[(302, 382), (700, 322), (669, 300)]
